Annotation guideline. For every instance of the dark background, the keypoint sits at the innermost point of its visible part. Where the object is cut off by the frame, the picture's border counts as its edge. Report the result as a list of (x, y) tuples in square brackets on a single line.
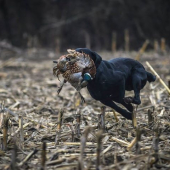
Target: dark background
[(72, 23)]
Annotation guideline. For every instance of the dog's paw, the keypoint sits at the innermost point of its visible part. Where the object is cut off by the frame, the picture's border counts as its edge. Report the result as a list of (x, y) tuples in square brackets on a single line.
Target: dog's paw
[(128, 100)]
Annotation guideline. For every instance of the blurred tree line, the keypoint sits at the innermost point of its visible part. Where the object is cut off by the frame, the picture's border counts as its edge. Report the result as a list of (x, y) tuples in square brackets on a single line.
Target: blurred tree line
[(76, 23)]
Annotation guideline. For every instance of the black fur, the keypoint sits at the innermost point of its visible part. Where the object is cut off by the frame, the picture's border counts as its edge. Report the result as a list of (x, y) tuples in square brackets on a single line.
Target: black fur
[(115, 76)]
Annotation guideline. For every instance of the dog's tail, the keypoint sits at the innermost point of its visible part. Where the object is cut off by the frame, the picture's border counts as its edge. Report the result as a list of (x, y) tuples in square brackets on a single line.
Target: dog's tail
[(150, 77)]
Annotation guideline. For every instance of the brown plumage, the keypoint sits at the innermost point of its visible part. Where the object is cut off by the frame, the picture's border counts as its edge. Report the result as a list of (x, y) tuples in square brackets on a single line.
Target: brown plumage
[(73, 66)]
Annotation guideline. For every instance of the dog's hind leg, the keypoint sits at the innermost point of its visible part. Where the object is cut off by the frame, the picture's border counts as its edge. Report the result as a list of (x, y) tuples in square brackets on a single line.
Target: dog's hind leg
[(137, 86), (136, 81), (110, 103), (139, 81)]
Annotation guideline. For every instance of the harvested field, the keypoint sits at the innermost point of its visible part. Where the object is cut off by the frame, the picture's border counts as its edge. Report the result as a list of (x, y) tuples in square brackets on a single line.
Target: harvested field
[(47, 131)]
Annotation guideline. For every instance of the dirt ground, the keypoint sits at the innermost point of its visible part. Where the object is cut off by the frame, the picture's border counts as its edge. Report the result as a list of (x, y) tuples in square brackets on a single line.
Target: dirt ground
[(38, 139)]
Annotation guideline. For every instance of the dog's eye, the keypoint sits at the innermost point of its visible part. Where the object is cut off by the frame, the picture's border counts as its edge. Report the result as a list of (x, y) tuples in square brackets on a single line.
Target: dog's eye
[(68, 59)]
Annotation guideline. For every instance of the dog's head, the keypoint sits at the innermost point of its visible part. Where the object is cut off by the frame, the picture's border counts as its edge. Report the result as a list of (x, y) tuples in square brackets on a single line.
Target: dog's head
[(95, 57)]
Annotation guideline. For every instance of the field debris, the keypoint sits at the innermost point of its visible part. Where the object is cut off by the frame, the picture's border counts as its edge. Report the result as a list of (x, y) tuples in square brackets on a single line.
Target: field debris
[(40, 129)]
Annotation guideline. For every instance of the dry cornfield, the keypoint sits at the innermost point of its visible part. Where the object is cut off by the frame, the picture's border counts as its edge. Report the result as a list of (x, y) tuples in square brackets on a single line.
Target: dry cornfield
[(40, 129)]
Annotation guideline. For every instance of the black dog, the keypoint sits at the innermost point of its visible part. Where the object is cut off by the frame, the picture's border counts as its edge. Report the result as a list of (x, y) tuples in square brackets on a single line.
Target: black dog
[(115, 76)]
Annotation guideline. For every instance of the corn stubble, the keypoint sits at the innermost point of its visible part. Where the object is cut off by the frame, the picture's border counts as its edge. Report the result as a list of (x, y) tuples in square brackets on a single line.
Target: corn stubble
[(42, 130)]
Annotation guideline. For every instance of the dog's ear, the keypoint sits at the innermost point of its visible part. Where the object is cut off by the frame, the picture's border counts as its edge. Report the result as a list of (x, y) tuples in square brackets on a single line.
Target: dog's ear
[(95, 57)]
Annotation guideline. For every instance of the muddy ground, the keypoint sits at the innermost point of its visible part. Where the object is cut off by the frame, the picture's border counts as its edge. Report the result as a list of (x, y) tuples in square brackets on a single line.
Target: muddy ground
[(31, 107)]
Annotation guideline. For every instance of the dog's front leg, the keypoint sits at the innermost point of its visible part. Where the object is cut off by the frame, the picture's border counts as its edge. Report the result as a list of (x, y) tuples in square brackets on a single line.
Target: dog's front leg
[(111, 104)]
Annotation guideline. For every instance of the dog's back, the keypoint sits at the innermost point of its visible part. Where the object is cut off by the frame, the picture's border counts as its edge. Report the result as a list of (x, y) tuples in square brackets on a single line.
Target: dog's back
[(126, 65), (129, 67)]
